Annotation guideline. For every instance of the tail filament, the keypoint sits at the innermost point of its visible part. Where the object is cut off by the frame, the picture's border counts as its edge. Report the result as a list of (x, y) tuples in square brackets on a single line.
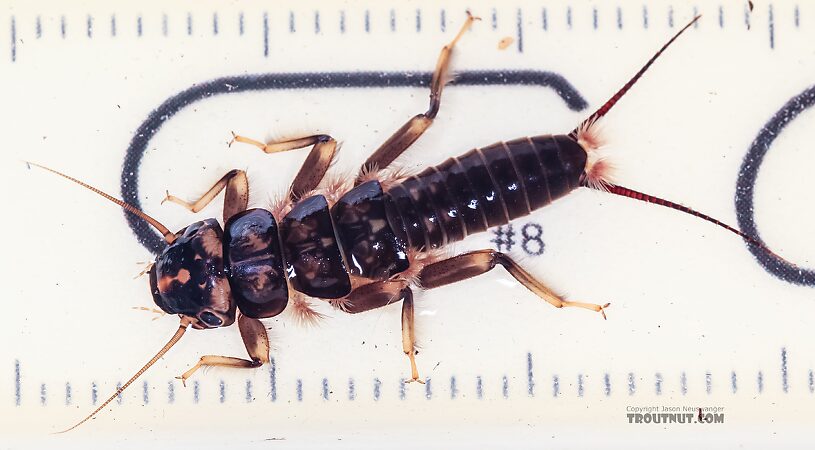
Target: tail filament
[(616, 97), (630, 193)]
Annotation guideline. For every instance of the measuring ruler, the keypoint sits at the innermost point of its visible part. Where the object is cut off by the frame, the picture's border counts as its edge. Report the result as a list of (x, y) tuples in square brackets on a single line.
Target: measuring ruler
[(137, 101)]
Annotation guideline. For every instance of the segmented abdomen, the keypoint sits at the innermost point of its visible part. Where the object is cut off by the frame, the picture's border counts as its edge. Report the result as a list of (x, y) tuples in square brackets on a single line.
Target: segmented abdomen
[(484, 188)]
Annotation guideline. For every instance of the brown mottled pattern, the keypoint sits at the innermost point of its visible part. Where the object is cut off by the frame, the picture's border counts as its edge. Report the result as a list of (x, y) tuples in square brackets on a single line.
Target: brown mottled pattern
[(367, 238), (189, 278), (314, 264), (255, 264)]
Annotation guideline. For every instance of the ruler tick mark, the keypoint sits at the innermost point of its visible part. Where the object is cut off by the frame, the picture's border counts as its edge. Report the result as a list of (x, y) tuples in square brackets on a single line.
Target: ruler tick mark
[(544, 20), (530, 381), (43, 397), (443, 20), (377, 389), (695, 13), (505, 387), (580, 385), (479, 387), (139, 29), (196, 392), (734, 387), (316, 22), (520, 26), (62, 26), (367, 21), (393, 20), (453, 388), (811, 382), (401, 389), (494, 19), (113, 25), (299, 390), (658, 383), (38, 27), (17, 383), (189, 24), (214, 24), (272, 374), (683, 383), (645, 17), (222, 391), (670, 16), (291, 22), (145, 393), (632, 385), (266, 55), (771, 26), (619, 18), (13, 39), (90, 26), (240, 23), (68, 394), (747, 17), (569, 17), (607, 384), (555, 386), (594, 17), (352, 394), (249, 391), (342, 22), (797, 17), (721, 16), (418, 20), (428, 390), (708, 382), (119, 395), (784, 378), (164, 25), (325, 388), (760, 382), (170, 392)]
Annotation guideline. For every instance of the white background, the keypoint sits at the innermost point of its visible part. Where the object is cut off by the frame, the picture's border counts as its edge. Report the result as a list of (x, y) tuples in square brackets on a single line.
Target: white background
[(686, 296)]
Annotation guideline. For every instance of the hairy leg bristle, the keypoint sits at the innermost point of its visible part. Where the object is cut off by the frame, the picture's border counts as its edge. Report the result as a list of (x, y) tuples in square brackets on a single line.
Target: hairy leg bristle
[(599, 171), (389, 177), (419, 260), (302, 311)]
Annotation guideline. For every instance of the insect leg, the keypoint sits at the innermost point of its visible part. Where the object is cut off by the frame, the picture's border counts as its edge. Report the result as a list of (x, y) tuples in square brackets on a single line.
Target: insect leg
[(254, 338), (410, 131), (314, 168), (468, 265), (408, 333), (383, 293), (235, 201)]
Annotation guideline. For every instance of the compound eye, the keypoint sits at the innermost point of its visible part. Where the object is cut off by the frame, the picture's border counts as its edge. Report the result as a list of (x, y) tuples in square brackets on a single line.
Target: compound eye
[(210, 319)]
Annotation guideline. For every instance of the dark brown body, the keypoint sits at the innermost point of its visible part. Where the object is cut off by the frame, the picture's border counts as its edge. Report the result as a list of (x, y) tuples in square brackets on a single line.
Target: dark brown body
[(484, 188), (368, 232), (355, 248)]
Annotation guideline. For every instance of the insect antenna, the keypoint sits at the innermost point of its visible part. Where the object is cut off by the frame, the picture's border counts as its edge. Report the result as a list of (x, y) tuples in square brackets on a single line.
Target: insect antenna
[(176, 337), (630, 193), (586, 124), (168, 236)]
